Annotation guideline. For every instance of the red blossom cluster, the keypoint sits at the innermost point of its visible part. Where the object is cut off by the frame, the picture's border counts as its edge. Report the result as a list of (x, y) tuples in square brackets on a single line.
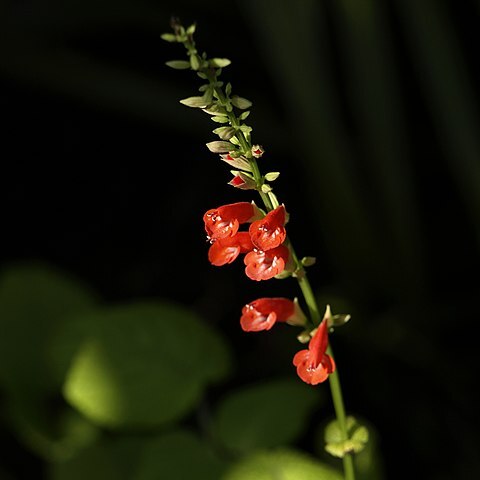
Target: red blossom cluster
[(266, 257)]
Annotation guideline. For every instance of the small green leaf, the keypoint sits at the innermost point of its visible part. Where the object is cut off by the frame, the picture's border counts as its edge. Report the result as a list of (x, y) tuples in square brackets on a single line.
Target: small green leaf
[(178, 64), (271, 176), (228, 89), (220, 119), (225, 133), (253, 417), (169, 37), (339, 446), (241, 103), (220, 62), (191, 29), (281, 464), (194, 62), (245, 129), (308, 261), (266, 188), (244, 115), (195, 102), (215, 110)]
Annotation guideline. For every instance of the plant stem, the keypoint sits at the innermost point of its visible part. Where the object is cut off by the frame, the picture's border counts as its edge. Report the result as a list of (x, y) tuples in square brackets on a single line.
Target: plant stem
[(334, 380), (270, 203)]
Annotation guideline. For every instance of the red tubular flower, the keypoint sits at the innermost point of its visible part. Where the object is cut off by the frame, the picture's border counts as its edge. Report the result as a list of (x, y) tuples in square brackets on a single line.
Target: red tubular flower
[(314, 365), (226, 250), (269, 232), (262, 314), (224, 221), (261, 265)]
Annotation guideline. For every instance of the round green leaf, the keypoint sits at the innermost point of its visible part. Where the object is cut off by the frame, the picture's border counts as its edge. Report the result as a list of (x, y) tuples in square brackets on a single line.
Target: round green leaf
[(265, 415), (281, 464), (178, 456), (34, 301), (139, 365)]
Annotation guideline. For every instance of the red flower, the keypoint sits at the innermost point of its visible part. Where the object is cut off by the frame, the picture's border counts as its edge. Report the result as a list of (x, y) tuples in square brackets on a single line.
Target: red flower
[(269, 232), (314, 365), (261, 265), (261, 314), (224, 221), (226, 250)]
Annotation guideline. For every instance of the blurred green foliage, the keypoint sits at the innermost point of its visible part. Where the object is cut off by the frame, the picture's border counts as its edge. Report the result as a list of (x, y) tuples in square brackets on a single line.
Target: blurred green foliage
[(370, 110), (136, 370)]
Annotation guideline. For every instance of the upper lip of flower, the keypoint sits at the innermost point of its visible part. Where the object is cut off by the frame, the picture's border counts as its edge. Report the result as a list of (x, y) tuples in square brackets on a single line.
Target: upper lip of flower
[(269, 232), (224, 221)]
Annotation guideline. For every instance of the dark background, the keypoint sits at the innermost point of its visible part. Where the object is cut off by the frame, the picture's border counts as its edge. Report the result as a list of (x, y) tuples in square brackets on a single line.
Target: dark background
[(370, 111)]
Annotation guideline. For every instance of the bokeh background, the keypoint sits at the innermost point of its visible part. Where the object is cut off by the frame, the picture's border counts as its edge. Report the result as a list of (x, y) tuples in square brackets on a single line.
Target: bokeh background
[(370, 111)]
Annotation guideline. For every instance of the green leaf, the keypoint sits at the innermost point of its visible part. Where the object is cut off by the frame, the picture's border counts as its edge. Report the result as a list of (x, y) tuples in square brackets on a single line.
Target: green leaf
[(191, 29), (337, 445), (245, 129), (244, 115), (169, 37), (194, 62), (195, 102), (34, 301), (241, 103), (220, 119), (139, 365), (265, 415), (282, 464), (174, 456), (225, 133), (220, 62), (368, 464), (271, 176), (178, 456), (178, 64)]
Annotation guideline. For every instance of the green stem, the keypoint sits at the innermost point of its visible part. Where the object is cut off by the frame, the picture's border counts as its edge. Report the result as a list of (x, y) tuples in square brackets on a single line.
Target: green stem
[(334, 380)]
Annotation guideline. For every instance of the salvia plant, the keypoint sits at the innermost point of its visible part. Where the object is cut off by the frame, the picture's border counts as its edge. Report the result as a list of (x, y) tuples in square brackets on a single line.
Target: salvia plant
[(260, 234)]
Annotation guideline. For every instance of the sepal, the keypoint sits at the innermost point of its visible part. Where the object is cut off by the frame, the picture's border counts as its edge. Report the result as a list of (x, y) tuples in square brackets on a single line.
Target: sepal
[(178, 64), (195, 102), (219, 146), (242, 180), (240, 102), (225, 133), (298, 318), (337, 320), (238, 162)]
